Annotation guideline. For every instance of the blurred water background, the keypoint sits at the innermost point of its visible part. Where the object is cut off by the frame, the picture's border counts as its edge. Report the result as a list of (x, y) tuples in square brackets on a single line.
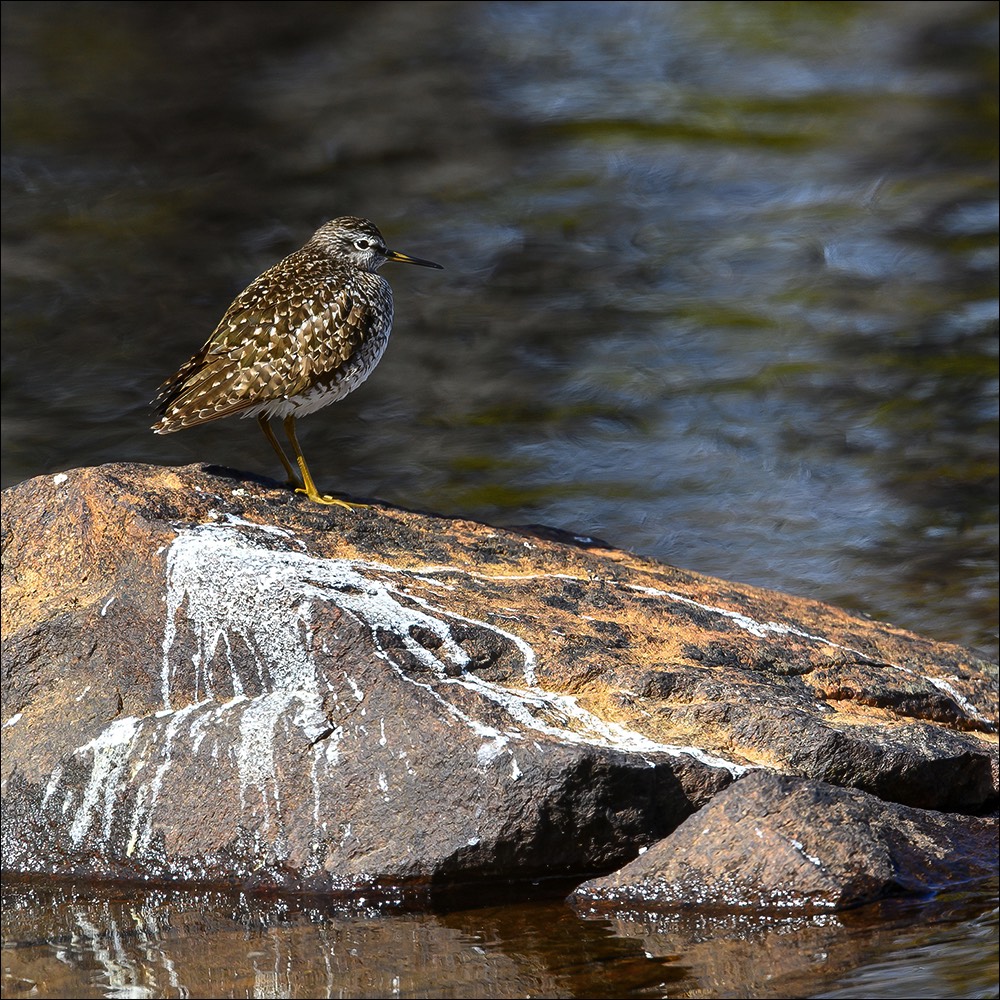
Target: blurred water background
[(720, 286)]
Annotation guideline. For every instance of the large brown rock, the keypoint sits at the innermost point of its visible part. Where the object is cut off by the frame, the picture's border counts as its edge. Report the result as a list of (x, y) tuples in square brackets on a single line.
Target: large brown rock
[(207, 678), (771, 841)]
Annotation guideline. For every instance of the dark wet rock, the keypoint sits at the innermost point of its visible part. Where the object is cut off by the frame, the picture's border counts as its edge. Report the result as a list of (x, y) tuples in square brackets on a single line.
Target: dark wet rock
[(209, 679), (771, 841)]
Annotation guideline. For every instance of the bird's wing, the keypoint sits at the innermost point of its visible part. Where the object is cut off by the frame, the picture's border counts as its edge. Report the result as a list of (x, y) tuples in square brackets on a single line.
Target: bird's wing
[(271, 344)]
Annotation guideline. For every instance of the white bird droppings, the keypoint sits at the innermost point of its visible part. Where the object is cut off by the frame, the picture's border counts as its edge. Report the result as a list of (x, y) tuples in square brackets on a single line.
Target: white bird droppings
[(245, 602)]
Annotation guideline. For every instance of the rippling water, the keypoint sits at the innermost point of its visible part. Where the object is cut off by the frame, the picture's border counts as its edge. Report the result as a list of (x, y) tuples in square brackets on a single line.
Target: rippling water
[(721, 278)]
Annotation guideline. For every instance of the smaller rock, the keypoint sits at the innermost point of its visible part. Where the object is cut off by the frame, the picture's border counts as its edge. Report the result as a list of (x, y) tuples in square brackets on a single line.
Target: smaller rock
[(772, 841)]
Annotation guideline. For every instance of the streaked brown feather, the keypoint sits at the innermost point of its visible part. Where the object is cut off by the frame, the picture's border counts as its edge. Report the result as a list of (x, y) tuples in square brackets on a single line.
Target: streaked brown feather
[(304, 334), (293, 329)]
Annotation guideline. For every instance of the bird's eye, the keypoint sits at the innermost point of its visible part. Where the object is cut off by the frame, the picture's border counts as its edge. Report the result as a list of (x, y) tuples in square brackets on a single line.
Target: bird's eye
[(363, 244)]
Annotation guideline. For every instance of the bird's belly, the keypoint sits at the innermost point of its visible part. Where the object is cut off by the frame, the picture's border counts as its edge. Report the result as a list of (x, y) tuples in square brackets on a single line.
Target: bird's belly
[(328, 388)]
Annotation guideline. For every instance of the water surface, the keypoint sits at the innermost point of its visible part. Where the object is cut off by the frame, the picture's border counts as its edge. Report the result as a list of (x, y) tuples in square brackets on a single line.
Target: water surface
[(86, 942), (721, 278)]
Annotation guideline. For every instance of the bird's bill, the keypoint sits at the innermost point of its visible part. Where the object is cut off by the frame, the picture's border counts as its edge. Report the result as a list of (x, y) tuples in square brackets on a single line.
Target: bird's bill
[(403, 258)]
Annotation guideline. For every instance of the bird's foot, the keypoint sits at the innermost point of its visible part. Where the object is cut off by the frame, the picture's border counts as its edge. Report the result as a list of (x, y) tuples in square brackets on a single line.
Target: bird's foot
[(329, 501)]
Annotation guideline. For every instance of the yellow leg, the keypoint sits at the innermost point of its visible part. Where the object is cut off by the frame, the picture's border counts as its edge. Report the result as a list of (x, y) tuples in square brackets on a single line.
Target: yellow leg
[(265, 426), (308, 486)]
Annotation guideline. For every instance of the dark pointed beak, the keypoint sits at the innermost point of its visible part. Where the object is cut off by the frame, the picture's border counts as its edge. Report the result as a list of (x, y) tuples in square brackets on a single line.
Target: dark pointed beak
[(402, 258)]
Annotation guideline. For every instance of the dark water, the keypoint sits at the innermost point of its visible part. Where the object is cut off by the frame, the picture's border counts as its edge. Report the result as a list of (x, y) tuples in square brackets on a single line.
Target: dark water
[(721, 288), (721, 278), (64, 942)]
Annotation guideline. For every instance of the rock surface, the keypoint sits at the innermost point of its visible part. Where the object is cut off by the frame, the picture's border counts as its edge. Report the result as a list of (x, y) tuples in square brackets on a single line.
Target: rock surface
[(772, 841), (209, 679)]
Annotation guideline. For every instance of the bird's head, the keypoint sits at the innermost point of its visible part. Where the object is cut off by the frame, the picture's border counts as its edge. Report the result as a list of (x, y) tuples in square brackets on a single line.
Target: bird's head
[(358, 243)]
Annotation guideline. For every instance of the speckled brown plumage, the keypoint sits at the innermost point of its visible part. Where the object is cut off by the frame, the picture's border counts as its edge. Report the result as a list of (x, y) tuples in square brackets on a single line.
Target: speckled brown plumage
[(306, 333)]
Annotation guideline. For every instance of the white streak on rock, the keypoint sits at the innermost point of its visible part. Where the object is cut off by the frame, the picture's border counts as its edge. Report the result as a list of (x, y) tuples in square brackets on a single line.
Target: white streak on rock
[(527, 653), (761, 629), (227, 589), (489, 751), (561, 717), (963, 703), (53, 784), (246, 609), (150, 793), (254, 754), (110, 749), (800, 849)]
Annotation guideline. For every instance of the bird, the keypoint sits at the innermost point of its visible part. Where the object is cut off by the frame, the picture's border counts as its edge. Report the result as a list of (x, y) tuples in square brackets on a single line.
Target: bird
[(303, 335)]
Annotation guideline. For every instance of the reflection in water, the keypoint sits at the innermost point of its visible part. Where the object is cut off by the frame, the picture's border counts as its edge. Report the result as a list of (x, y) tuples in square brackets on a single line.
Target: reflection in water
[(61, 941)]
